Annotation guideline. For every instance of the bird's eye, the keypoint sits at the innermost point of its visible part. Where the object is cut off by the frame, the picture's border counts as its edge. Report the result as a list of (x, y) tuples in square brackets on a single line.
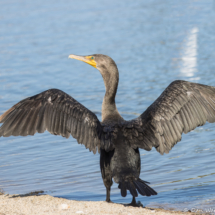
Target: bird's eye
[(92, 58)]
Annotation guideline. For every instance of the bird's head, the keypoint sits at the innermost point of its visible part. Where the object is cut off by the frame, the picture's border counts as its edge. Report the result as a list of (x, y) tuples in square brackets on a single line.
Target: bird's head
[(103, 63)]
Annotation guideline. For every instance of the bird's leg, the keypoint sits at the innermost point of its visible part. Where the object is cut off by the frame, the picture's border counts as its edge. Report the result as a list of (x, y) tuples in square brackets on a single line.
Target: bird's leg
[(134, 203), (106, 172), (108, 195)]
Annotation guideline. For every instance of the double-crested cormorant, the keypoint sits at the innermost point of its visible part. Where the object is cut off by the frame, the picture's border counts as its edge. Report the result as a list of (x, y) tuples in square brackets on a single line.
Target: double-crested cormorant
[(180, 108)]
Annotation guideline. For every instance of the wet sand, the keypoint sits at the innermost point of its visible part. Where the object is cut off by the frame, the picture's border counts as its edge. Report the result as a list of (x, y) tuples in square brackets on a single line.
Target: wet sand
[(31, 204)]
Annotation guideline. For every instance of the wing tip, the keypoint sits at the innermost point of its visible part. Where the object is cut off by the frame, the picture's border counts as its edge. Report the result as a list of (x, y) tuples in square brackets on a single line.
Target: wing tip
[(6, 113)]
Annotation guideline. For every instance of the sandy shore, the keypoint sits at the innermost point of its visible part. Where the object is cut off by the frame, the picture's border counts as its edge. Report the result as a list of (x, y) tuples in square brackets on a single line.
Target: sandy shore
[(45, 204)]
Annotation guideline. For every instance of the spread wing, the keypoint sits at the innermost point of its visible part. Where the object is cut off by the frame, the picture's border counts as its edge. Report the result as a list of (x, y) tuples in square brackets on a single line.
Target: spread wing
[(180, 108), (60, 114)]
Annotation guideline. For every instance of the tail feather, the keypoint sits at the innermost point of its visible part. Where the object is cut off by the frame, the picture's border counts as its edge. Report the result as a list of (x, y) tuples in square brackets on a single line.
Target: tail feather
[(134, 186), (132, 189), (140, 189), (143, 181), (148, 188), (123, 189)]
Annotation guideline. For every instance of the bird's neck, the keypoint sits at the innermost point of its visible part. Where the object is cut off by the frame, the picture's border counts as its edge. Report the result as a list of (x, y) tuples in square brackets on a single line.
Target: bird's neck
[(109, 109)]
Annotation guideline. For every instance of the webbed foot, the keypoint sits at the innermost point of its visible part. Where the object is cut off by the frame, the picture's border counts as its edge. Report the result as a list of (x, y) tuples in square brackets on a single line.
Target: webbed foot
[(109, 201), (135, 204)]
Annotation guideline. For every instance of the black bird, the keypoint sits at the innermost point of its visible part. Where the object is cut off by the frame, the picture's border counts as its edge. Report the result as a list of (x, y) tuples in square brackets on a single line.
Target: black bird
[(180, 108)]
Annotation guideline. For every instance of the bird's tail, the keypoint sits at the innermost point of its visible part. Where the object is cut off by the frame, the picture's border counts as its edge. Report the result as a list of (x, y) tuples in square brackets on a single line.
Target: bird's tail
[(136, 185)]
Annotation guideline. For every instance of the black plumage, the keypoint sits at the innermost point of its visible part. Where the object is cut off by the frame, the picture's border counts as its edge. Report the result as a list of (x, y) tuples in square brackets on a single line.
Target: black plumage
[(179, 109)]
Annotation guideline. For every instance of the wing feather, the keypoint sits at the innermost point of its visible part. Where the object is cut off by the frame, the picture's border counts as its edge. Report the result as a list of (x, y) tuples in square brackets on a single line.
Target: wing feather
[(60, 114), (179, 109), (41, 125)]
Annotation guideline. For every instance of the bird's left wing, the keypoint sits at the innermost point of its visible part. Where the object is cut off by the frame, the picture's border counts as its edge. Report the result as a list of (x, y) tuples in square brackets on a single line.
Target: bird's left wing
[(179, 109), (57, 112)]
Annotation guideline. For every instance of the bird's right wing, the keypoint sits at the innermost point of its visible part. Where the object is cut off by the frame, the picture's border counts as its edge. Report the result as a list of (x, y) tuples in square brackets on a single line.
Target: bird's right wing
[(179, 109), (60, 114)]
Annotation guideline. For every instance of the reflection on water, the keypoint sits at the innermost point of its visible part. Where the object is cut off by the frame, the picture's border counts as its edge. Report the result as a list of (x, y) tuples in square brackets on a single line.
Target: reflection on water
[(189, 54), (144, 38)]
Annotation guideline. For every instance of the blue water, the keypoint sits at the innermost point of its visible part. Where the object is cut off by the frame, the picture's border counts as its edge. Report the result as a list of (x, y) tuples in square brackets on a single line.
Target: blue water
[(153, 43)]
